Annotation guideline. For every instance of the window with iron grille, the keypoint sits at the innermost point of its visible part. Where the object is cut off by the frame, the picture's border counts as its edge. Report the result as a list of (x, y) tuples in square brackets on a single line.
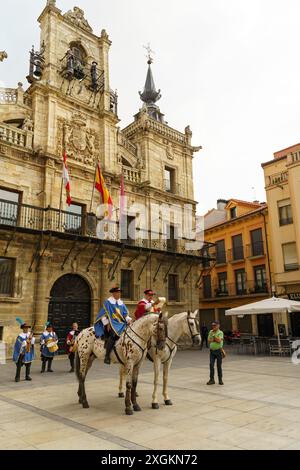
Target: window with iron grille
[(127, 284), (222, 284), (7, 272), (220, 251), (173, 290), (260, 279), (240, 281), (237, 247), (207, 286), (9, 206), (257, 244)]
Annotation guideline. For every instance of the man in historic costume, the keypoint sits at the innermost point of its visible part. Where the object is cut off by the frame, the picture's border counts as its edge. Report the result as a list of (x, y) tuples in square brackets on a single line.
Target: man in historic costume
[(112, 320), (146, 305), (49, 348), (23, 350), (71, 338)]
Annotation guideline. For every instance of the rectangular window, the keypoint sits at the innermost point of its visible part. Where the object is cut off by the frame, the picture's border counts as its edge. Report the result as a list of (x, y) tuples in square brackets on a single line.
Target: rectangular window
[(171, 238), (285, 212), (233, 213), (257, 244), (73, 218), (173, 290), (9, 206), (290, 257), (237, 247), (240, 281), (169, 180), (222, 284), (128, 232), (260, 279), (220, 252), (7, 273), (127, 284), (207, 287)]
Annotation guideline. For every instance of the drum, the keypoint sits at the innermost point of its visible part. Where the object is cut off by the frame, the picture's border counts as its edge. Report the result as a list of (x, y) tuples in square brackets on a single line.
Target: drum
[(52, 346)]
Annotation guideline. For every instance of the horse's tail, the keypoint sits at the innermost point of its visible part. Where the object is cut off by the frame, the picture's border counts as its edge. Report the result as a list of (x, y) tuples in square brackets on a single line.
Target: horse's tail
[(77, 365)]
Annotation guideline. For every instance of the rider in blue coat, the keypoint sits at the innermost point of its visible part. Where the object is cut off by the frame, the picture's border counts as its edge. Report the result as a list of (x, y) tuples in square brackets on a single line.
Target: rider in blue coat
[(112, 320), (23, 353)]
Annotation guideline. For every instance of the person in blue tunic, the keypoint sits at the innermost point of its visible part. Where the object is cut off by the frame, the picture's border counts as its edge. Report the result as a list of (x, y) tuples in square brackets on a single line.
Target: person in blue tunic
[(111, 321), (23, 350), (49, 348)]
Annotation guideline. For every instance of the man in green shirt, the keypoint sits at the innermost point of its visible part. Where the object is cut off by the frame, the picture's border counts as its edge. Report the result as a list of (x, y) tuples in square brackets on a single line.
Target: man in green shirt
[(215, 340)]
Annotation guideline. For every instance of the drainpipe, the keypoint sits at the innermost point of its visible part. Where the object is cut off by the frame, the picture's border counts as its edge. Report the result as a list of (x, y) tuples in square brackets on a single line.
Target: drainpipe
[(268, 253)]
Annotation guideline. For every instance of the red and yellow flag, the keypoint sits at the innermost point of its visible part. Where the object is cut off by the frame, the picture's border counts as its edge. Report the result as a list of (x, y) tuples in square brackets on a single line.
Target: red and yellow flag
[(100, 185)]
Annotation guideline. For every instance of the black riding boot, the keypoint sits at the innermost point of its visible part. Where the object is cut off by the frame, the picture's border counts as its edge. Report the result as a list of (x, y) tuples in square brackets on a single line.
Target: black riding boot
[(27, 375), (18, 371), (49, 364), (109, 347)]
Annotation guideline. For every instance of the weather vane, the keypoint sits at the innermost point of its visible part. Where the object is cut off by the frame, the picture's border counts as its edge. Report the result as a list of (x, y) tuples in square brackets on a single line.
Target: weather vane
[(149, 53)]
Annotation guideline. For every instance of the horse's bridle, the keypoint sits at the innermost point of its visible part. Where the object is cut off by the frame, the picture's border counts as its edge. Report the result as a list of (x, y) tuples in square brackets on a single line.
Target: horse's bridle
[(190, 328)]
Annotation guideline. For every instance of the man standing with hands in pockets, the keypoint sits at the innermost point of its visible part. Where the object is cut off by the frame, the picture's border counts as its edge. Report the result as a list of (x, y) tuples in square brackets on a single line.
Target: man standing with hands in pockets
[(215, 340)]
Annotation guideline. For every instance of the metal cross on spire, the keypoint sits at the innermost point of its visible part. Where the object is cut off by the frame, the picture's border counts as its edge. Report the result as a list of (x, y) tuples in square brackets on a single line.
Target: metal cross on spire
[(149, 52)]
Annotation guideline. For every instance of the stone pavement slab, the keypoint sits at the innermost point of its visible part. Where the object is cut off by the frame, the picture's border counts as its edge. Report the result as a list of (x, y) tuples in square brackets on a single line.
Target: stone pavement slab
[(257, 408)]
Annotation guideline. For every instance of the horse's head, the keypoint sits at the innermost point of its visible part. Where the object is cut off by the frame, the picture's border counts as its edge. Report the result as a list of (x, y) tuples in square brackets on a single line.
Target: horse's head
[(160, 332), (192, 327)]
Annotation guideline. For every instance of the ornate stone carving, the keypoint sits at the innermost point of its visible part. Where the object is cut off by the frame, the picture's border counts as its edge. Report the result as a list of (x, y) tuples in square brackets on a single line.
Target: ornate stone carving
[(77, 17), (170, 151), (27, 124), (80, 143)]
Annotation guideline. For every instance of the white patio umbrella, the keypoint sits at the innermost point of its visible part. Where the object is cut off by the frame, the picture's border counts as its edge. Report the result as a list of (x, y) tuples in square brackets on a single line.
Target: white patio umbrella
[(271, 305)]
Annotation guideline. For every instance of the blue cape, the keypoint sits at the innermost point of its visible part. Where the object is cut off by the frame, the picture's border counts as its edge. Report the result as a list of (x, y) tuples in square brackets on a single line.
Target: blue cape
[(19, 349), (47, 337), (115, 314)]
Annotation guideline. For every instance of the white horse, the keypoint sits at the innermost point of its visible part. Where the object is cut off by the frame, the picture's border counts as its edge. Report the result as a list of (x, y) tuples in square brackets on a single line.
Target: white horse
[(130, 351), (178, 325)]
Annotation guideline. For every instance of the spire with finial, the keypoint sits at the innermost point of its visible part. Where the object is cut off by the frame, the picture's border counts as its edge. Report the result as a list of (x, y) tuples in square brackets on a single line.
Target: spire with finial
[(150, 95)]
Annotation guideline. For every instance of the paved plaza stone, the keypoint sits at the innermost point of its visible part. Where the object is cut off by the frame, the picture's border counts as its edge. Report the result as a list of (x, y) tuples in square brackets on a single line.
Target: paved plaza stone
[(257, 408)]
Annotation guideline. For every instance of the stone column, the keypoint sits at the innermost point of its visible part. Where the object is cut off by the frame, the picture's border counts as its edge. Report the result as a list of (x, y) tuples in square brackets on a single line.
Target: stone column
[(42, 293), (254, 324)]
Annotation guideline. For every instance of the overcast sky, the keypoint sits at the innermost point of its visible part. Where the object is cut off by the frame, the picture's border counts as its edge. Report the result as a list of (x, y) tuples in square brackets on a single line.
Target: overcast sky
[(228, 68)]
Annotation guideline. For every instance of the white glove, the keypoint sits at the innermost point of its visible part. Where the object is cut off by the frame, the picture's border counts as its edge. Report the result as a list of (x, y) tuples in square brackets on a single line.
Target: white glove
[(32, 340), (128, 319), (105, 321)]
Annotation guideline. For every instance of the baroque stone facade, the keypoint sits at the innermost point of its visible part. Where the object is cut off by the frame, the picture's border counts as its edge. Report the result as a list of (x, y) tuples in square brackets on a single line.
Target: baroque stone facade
[(52, 264)]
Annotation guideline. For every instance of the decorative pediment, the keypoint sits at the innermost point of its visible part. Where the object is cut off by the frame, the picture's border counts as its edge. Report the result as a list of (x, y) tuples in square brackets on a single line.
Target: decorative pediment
[(77, 18)]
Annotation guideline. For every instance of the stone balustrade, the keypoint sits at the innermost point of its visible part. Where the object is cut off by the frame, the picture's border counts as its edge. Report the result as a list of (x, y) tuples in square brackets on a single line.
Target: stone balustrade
[(16, 136), (162, 129), (8, 95), (131, 174), (277, 178), (126, 144), (293, 157)]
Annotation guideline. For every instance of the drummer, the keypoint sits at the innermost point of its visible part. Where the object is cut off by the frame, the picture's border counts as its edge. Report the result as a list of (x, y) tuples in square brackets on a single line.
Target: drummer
[(49, 348)]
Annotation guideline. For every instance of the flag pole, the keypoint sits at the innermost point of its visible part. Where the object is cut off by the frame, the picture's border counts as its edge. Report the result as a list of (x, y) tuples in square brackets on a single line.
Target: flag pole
[(94, 186), (60, 202)]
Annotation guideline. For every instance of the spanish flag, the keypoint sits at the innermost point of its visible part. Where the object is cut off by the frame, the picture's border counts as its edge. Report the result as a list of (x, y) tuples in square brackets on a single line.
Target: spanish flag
[(100, 185)]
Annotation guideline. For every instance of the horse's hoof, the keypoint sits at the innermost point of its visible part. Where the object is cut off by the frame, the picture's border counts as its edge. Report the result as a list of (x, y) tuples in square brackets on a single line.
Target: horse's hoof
[(80, 401), (121, 395), (137, 407), (136, 394), (168, 402), (129, 412), (85, 404), (155, 406)]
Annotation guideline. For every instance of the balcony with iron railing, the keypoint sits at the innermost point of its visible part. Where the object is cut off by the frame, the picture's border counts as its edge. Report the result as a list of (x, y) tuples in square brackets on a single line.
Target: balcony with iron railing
[(248, 288), (15, 215), (277, 178)]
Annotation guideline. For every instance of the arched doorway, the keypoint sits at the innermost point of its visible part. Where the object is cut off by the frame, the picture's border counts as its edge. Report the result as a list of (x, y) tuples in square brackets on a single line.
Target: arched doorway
[(70, 301)]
